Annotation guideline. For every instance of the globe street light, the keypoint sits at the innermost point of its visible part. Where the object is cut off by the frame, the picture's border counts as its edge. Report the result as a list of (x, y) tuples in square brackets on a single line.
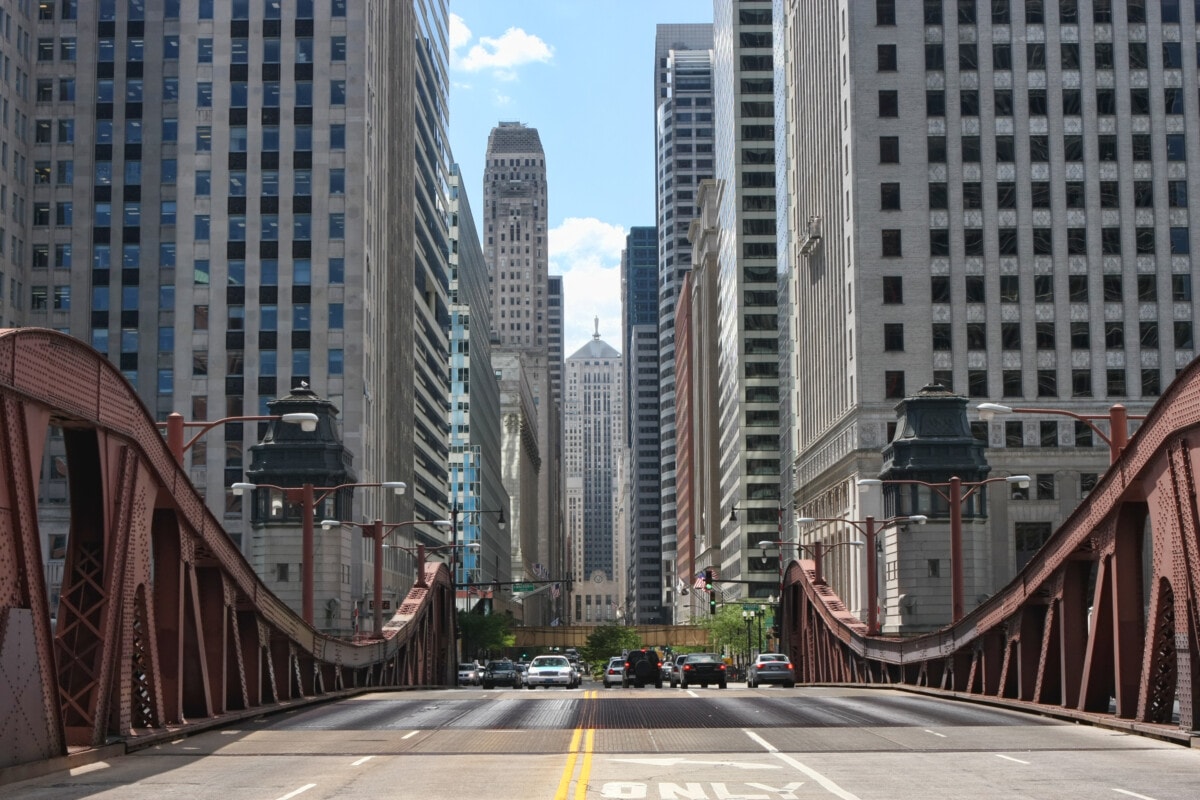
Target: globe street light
[(306, 496), (868, 528), (378, 531), (954, 497), (1118, 422)]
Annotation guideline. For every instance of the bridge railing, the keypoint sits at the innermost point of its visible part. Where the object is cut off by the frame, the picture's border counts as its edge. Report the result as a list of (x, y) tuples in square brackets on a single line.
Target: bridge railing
[(161, 622), (1076, 629)]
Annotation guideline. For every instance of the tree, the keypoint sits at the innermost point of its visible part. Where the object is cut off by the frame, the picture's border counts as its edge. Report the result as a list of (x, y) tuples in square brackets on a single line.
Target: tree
[(606, 641), (726, 628), (484, 635)]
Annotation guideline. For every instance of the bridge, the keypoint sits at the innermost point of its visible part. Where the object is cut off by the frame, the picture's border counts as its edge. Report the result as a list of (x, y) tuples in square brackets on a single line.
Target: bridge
[(1072, 632), (163, 626)]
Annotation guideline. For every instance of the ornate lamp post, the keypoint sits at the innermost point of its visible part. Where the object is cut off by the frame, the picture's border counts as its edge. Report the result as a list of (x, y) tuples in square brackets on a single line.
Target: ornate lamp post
[(952, 492), (1117, 417), (175, 427), (307, 497), (378, 531), (868, 527)]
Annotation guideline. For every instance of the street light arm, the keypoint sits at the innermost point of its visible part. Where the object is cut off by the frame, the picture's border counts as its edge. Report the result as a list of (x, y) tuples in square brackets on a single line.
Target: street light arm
[(175, 425)]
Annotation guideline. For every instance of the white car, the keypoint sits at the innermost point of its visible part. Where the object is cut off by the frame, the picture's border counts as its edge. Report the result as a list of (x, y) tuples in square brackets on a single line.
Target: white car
[(614, 671), (469, 674), (550, 671)]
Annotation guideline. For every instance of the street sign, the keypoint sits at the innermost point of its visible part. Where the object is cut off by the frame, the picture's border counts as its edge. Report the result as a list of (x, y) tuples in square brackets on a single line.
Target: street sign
[(522, 587)]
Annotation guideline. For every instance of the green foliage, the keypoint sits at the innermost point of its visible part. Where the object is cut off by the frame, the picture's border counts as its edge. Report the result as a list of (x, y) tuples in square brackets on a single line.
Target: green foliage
[(726, 628), (607, 641), (484, 636)]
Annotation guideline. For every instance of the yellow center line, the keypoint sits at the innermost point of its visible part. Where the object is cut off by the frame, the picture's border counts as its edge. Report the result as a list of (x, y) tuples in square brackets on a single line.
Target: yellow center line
[(585, 771), (569, 770)]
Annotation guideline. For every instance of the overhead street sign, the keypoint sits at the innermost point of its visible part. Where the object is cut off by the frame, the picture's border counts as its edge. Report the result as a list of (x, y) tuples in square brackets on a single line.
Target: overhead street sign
[(522, 587)]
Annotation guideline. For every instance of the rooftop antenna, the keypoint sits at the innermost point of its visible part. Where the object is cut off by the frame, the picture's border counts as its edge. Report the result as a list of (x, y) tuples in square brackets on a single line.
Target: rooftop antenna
[(596, 335)]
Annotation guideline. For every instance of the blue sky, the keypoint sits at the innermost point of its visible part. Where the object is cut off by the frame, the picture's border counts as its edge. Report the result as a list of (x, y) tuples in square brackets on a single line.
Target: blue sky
[(581, 72)]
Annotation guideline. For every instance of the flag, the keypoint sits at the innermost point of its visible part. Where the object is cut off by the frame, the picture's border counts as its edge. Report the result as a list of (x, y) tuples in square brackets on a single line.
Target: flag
[(699, 583), (555, 591)]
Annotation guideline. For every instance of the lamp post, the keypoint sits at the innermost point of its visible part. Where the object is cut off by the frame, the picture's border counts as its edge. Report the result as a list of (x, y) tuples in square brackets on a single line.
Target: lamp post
[(378, 531), (308, 498), (952, 492), (175, 427), (868, 527), (1118, 422), (454, 511), (747, 615)]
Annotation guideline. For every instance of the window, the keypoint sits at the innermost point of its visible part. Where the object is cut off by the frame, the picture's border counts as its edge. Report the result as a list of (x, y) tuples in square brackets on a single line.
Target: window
[(1114, 335), (1181, 288), (1010, 383), (1183, 336), (968, 103), (1028, 539), (976, 336), (939, 286), (1081, 386), (889, 150), (1014, 433), (935, 150), (889, 103), (1043, 335), (893, 383), (1043, 288), (893, 337), (1002, 57), (1047, 380), (968, 57), (1010, 336), (1115, 380), (893, 290), (935, 103), (889, 196), (1077, 288), (885, 12), (890, 242), (337, 92), (935, 57), (886, 57), (942, 336), (975, 289), (1010, 289), (1081, 337)]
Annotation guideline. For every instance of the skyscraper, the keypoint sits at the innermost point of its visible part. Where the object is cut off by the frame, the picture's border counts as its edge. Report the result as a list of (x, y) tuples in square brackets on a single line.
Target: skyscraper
[(517, 253), (747, 294), (683, 130), (1004, 213), (639, 301), (232, 205), (593, 417)]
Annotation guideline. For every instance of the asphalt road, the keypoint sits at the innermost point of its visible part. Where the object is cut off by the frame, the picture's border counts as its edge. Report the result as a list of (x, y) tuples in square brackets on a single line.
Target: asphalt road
[(696, 744)]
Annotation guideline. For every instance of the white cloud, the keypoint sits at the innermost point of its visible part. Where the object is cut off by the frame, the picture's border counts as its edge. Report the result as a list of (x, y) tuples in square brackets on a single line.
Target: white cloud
[(500, 99), (500, 55), (587, 253)]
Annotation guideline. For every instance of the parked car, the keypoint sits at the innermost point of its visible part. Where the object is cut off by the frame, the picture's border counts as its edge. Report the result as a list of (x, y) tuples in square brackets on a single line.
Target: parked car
[(614, 671), (702, 668), (771, 668), (674, 669), (469, 674), (642, 667), (551, 671), (501, 673)]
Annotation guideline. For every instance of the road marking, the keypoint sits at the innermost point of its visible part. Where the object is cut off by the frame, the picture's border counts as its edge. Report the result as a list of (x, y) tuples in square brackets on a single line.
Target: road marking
[(301, 790), (935, 733), (362, 761), (824, 782), (230, 733), (1010, 758), (409, 735), (564, 783), (585, 771), (1133, 794), (692, 692), (671, 762)]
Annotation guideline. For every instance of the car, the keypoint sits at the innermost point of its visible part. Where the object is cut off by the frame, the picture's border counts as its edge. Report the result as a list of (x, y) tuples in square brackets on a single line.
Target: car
[(576, 672), (675, 667), (642, 667), (501, 673), (771, 668), (551, 671), (702, 668), (468, 673), (614, 671)]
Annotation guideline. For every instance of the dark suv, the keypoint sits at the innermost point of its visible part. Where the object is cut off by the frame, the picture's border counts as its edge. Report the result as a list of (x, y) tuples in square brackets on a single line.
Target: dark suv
[(642, 667), (501, 673)]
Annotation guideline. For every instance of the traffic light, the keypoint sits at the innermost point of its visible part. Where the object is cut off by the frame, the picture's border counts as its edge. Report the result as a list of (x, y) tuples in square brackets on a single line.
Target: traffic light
[(711, 588)]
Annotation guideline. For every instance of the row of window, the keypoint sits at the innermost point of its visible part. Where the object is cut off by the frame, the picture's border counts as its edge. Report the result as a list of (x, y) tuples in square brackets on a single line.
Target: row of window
[(134, 92), (1073, 148), (135, 10), (1112, 287), (1045, 336), (1069, 57), (1037, 103), (1115, 383), (1000, 12), (1040, 241)]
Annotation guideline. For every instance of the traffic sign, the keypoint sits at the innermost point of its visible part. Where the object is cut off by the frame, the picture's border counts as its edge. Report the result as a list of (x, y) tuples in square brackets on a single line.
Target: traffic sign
[(522, 587)]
